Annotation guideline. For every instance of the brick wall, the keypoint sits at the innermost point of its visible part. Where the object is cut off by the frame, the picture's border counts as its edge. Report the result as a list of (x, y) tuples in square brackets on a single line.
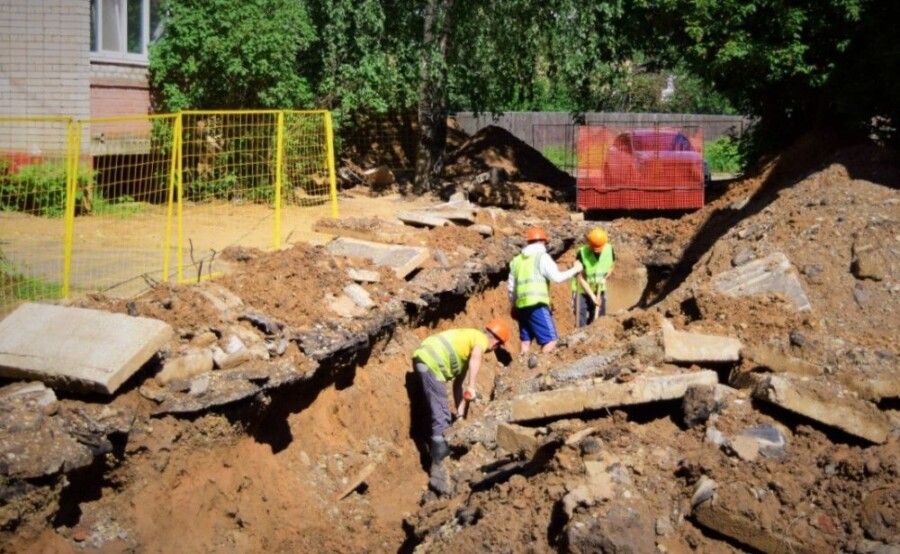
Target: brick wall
[(44, 68)]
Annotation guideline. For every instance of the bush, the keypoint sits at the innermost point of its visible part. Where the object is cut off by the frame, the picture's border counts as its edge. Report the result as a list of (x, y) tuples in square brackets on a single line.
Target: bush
[(40, 189), (724, 155)]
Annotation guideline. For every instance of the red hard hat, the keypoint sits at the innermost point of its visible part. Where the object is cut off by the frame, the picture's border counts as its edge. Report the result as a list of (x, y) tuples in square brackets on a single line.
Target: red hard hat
[(499, 328), (535, 234)]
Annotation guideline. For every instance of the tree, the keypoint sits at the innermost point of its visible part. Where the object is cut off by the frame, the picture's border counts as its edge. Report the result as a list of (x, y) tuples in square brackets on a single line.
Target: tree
[(224, 54)]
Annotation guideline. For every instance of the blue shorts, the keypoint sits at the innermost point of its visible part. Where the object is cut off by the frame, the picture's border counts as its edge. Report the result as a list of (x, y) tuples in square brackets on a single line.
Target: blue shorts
[(536, 322)]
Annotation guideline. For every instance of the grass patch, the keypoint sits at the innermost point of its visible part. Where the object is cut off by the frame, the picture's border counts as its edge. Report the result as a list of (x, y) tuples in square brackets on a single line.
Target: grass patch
[(560, 156), (15, 286), (124, 206)]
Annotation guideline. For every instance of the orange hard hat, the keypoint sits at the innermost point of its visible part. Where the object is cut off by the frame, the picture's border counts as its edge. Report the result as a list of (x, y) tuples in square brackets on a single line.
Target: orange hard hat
[(534, 234), (597, 237), (499, 328)]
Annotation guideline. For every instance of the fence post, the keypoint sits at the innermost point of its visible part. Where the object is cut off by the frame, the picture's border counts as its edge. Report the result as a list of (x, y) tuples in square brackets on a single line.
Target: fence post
[(329, 155), (279, 160), (179, 190), (73, 132), (170, 196)]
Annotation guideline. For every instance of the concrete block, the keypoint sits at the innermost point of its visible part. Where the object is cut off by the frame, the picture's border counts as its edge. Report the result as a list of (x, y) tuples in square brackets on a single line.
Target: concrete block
[(423, 219), (483, 230), (77, 348), (686, 347), (825, 404), (363, 275), (187, 366), (403, 260), (516, 439), (780, 362), (732, 523), (770, 275), (360, 296), (598, 394)]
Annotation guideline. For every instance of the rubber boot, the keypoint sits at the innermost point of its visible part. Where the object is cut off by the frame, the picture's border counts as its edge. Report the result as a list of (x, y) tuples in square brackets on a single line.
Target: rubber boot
[(439, 451)]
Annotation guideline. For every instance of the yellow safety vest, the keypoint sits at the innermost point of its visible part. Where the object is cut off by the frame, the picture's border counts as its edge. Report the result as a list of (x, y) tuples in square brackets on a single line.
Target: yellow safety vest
[(447, 354), (596, 268), (531, 287)]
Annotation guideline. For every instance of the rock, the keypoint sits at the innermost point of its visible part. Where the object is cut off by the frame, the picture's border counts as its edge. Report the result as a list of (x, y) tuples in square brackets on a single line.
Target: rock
[(624, 528), (344, 306), (703, 491), (727, 519), (441, 258), (357, 481), (714, 436), (516, 439), (364, 275), (204, 339), (233, 344), (403, 260), (797, 338), (423, 219), (578, 436), (222, 299), (698, 404), (224, 360), (598, 394), (743, 255), (880, 514), (867, 262), (664, 526), (264, 323), (588, 366), (777, 361), (647, 348), (483, 230), (360, 296), (769, 275), (439, 480), (860, 295), (686, 347), (78, 348), (34, 392), (189, 365), (199, 385)]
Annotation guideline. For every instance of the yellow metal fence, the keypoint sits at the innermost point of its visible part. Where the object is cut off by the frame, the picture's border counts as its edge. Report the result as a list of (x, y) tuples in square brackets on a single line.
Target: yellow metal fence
[(115, 204)]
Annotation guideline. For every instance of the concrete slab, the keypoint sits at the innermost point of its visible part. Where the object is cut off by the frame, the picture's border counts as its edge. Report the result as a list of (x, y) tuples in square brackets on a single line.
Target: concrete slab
[(821, 402), (77, 348), (516, 439), (770, 275), (686, 347), (403, 260), (423, 219), (745, 530), (598, 394), (780, 362)]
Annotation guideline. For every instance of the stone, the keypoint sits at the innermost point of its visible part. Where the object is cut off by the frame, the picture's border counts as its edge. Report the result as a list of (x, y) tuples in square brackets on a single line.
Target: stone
[(578, 436), (204, 339), (423, 219), (867, 262), (589, 366), (344, 306), (822, 403), (364, 275), (780, 362), (360, 296), (664, 526), (598, 394), (729, 521), (186, 366), (35, 392), (703, 490), (222, 299), (233, 344), (77, 348), (357, 481), (224, 360), (199, 385), (439, 480), (264, 323), (880, 517), (441, 258), (698, 404), (743, 255), (516, 439), (770, 275), (625, 527), (402, 260), (691, 348), (483, 230)]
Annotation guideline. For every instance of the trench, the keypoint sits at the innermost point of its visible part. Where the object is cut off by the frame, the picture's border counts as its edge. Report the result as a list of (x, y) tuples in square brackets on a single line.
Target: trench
[(266, 474)]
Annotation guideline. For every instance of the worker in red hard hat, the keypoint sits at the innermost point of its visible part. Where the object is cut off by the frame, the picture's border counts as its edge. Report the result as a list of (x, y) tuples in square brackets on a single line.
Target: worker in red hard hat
[(454, 356), (589, 286), (530, 274)]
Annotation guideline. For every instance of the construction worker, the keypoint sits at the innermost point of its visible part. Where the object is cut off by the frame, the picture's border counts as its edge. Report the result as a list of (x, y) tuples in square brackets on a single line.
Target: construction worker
[(530, 273), (453, 355), (589, 286)]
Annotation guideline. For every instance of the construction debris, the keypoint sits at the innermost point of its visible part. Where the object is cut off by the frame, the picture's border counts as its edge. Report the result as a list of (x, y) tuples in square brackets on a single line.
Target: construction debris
[(690, 348), (825, 405), (403, 260), (423, 219), (729, 521), (598, 394), (770, 275), (363, 275), (780, 362), (186, 366), (357, 481), (516, 439), (77, 348)]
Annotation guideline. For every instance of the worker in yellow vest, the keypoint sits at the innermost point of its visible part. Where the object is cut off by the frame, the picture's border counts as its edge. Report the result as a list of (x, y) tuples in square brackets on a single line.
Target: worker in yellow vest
[(530, 273), (454, 356), (589, 286)]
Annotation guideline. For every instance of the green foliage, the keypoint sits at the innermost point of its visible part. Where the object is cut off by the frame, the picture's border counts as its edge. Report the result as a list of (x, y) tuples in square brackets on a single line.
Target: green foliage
[(225, 54), (560, 155), (39, 189), (19, 286), (123, 206), (723, 155)]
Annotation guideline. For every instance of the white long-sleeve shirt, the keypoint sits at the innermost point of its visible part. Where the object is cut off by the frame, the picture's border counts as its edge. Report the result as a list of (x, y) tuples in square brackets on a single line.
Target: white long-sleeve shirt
[(547, 266)]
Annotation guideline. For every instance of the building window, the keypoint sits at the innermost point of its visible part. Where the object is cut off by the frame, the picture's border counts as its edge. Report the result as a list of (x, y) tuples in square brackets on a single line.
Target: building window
[(121, 30)]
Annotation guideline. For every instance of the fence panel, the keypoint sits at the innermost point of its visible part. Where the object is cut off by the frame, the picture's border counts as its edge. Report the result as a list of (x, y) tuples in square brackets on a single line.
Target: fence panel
[(34, 179), (120, 214), (651, 167)]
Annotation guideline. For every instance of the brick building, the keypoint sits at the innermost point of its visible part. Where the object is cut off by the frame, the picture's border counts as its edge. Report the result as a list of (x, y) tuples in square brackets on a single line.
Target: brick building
[(80, 58)]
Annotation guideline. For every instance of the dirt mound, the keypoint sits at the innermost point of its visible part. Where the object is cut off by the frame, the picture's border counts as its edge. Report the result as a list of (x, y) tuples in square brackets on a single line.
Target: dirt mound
[(495, 147)]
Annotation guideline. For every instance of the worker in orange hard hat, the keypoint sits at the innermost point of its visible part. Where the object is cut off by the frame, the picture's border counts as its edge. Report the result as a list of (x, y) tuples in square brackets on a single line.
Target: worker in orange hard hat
[(454, 356), (589, 286), (530, 273)]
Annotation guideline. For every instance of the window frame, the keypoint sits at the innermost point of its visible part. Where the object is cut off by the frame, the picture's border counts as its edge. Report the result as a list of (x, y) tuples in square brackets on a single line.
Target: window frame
[(123, 56)]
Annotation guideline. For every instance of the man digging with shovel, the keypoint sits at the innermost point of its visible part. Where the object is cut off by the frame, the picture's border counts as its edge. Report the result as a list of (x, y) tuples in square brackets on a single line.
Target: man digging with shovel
[(453, 355), (589, 286)]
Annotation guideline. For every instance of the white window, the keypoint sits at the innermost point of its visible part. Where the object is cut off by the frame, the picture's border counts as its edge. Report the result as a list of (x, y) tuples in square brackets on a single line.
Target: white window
[(122, 29)]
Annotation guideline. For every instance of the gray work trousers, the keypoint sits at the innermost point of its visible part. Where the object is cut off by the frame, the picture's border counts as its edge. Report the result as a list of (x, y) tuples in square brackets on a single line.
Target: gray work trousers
[(436, 396)]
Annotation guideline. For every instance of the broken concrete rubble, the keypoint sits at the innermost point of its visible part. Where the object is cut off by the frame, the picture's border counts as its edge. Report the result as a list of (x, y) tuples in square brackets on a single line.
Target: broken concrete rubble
[(770, 275), (516, 439), (729, 521), (403, 260), (589, 366), (423, 219), (77, 348), (686, 347), (363, 275), (186, 366), (780, 362), (360, 296), (823, 404), (598, 394)]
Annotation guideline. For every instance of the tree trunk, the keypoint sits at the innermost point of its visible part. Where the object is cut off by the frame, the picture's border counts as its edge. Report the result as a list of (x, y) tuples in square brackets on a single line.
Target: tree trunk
[(433, 95)]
